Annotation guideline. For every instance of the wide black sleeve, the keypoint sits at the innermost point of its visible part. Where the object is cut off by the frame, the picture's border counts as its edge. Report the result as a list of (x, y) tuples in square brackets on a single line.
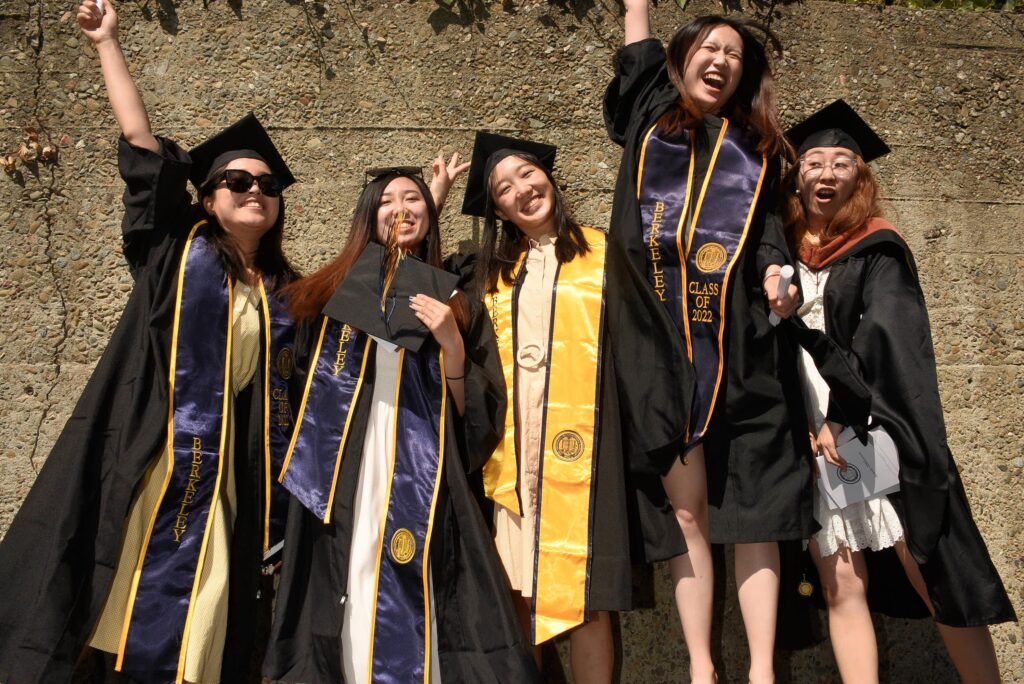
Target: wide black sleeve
[(893, 348), (306, 335), (483, 422), (772, 249), (640, 74), (156, 198), (654, 376)]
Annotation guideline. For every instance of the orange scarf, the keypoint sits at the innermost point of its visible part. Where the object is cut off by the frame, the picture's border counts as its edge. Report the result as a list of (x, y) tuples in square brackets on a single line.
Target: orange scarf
[(817, 257)]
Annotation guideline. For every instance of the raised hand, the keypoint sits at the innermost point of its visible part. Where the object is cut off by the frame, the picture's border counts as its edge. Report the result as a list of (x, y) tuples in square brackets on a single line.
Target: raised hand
[(98, 26), (444, 175)]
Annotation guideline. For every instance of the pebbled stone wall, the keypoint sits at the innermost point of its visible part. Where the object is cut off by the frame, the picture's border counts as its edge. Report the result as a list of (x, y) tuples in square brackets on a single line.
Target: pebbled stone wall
[(349, 84)]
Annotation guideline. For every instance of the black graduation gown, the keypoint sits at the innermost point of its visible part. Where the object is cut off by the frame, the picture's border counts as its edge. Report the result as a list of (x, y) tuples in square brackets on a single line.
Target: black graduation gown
[(478, 636), (756, 449), (875, 312), (61, 551)]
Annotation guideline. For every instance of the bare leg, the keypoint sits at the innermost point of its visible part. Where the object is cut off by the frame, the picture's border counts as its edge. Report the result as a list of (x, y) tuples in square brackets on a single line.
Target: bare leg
[(591, 650), (757, 578), (522, 604), (844, 580), (970, 648), (692, 573)]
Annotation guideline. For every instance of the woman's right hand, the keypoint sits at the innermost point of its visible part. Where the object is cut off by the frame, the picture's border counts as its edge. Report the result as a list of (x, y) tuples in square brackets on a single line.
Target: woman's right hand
[(98, 27), (827, 443)]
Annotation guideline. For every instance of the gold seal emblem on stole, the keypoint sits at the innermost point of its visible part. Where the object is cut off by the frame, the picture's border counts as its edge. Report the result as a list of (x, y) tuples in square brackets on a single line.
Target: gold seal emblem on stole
[(403, 546), (568, 446), (285, 363), (710, 257)]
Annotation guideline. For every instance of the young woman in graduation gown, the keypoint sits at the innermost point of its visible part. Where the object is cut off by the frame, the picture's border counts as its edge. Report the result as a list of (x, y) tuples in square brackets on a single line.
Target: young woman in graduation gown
[(860, 286), (695, 209), (389, 573), (598, 389), (143, 535)]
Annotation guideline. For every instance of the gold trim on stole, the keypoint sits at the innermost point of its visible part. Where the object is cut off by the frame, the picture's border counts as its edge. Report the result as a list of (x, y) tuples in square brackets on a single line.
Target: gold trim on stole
[(562, 554), (501, 471), (172, 367)]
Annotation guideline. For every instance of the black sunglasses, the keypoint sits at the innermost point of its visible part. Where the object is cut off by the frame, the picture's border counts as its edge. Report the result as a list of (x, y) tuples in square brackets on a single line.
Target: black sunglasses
[(237, 180), (380, 172)]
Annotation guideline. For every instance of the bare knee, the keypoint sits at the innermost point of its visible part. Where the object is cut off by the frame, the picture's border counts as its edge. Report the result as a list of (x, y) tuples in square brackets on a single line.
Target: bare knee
[(845, 587)]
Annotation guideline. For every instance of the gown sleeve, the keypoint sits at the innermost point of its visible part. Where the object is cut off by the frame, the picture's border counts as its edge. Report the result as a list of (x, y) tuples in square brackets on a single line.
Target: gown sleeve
[(484, 418), (156, 198), (640, 74), (483, 422), (773, 248), (654, 376), (893, 349)]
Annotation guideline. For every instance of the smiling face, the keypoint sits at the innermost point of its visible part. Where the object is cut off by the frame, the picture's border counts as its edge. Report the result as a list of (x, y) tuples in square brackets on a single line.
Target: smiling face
[(827, 179), (523, 194), (244, 215), (403, 195), (713, 71)]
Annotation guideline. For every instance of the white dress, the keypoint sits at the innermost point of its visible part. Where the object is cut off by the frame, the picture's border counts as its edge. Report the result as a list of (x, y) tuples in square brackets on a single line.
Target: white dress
[(374, 472), (870, 524)]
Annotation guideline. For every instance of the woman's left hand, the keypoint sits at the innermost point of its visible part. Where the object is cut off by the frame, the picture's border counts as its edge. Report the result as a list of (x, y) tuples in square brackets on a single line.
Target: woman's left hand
[(444, 175), (440, 320), (782, 306)]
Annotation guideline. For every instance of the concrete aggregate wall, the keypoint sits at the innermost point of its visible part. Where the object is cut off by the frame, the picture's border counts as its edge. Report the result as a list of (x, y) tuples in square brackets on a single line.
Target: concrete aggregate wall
[(349, 84)]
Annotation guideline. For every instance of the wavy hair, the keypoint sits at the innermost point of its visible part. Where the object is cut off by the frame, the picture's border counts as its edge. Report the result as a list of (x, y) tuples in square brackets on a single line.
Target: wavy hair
[(753, 105), (862, 206)]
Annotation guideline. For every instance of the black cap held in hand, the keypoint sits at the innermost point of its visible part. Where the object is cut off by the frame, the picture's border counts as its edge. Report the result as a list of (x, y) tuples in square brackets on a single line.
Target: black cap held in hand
[(244, 139), (837, 125), (488, 151)]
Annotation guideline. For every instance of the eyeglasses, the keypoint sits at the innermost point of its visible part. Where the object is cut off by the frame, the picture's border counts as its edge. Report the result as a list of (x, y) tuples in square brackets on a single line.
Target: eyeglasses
[(237, 180), (842, 167), (380, 172)]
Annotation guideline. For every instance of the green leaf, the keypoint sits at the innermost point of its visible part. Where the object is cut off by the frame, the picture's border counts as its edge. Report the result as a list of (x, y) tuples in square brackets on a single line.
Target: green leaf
[(682, 4)]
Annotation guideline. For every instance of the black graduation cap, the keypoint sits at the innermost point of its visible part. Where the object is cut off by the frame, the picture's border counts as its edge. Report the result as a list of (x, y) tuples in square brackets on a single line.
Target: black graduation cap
[(357, 300), (488, 150), (244, 139), (837, 125)]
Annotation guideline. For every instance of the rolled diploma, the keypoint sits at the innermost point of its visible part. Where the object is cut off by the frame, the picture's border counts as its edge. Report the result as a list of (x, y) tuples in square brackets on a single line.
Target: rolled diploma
[(785, 278)]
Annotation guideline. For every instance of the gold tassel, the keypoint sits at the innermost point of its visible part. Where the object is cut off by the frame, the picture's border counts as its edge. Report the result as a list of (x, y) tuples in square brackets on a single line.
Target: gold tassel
[(392, 258)]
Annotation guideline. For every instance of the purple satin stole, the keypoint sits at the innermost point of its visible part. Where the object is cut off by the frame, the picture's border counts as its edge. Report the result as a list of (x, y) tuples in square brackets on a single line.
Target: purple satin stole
[(156, 633), (691, 251), (401, 640)]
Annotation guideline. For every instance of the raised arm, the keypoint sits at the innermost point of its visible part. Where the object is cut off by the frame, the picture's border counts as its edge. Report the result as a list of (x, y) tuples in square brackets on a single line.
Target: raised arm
[(638, 21), (125, 100), (444, 175)]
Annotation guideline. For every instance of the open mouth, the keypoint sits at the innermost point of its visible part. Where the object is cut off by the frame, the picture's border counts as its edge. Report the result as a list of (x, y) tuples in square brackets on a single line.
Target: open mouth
[(530, 204), (713, 80), (825, 194)]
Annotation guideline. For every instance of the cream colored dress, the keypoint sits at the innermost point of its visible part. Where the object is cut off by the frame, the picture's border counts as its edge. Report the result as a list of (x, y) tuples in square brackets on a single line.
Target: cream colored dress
[(370, 502), (209, 615), (870, 524), (514, 535)]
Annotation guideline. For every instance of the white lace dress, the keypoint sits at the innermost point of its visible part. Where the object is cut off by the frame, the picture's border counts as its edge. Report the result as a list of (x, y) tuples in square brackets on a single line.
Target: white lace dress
[(871, 524)]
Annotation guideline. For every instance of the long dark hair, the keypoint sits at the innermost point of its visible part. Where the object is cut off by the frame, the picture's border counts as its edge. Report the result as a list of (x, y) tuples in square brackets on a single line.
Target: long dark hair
[(307, 297), (270, 259), (752, 105), (862, 206), (500, 252)]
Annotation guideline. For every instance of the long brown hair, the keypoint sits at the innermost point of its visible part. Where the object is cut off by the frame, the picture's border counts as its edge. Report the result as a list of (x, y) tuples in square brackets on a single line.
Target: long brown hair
[(270, 259), (500, 252), (307, 297), (862, 206), (753, 104)]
